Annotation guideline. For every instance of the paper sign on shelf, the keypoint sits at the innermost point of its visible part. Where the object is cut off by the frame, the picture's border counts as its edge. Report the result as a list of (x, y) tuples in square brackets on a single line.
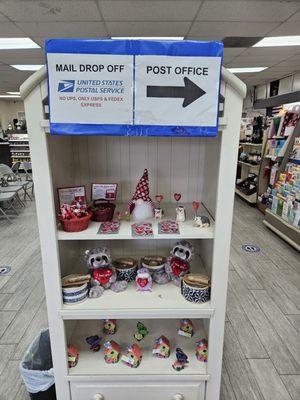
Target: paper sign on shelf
[(133, 87)]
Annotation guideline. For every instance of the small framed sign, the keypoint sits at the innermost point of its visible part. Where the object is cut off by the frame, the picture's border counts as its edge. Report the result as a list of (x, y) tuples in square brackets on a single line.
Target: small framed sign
[(69, 195), (104, 191)]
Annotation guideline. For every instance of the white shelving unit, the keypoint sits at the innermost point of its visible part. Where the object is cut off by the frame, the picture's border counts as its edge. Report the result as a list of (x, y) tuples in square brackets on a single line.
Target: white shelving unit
[(198, 168), (19, 147)]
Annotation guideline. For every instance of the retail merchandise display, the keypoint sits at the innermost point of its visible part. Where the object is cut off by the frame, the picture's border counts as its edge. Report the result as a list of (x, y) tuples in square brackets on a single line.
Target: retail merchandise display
[(112, 352), (195, 288), (186, 328), (161, 347), (73, 356), (192, 166), (94, 342), (142, 331), (202, 350), (109, 326)]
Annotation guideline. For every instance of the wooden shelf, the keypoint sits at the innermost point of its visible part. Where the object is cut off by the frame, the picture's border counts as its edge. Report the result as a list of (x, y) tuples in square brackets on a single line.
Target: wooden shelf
[(93, 364), (248, 165), (164, 301), (251, 144), (249, 198), (187, 230)]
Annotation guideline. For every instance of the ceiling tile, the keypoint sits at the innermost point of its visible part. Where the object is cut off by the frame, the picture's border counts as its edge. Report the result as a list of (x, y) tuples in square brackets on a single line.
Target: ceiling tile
[(287, 51), (245, 11), (147, 28), (236, 62), (9, 29), (66, 29), (232, 29), (43, 11), (3, 18), (205, 38), (285, 29), (295, 17), (233, 51), (149, 10)]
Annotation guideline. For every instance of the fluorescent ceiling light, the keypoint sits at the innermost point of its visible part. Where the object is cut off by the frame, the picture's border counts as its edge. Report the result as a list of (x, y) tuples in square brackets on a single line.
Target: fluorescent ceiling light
[(24, 67), (14, 93), (243, 70), (148, 38), (278, 41), (17, 43), (8, 96)]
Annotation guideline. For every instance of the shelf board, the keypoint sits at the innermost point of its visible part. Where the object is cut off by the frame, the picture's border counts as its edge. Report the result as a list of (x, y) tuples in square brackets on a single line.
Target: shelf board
[(277, 137), (294, 228), (92, 363), (187, 230), (248, 165), (164, 301), (251, 144), (249, 198)]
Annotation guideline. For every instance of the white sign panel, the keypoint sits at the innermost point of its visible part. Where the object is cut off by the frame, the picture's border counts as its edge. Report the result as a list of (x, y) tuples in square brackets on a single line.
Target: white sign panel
[(91, 88), (176, 90)]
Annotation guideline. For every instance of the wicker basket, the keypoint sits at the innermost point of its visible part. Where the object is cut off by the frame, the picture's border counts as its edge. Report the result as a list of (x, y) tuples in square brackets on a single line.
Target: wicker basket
[(75, 225), (104, 213)]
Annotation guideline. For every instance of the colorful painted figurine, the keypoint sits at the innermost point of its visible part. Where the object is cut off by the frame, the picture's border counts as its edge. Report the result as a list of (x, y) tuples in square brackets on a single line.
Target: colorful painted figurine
[(202, 350), (201, 221), (72, 356), (142, 332), (94, 342), (181, 360), (143, 279), (103, 274), (161, 347), (109, 326), (133, 356), (111, 352), (178, 264), (186, 328)]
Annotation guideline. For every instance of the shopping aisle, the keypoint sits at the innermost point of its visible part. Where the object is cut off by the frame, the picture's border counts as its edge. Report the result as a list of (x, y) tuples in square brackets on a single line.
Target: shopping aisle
[(262, 333)]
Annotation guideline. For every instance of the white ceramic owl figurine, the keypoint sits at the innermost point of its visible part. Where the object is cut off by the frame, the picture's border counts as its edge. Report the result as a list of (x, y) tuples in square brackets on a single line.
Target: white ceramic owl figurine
[(142, 210), (180, 214)]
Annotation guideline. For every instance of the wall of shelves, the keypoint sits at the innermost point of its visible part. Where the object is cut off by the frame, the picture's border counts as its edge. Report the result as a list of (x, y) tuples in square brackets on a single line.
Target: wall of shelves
[(201, 169)]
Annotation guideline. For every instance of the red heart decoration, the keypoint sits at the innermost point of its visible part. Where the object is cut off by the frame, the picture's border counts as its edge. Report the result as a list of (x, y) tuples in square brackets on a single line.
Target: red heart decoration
[(159, 198), (142, 282), (196, 205), (177, 196)]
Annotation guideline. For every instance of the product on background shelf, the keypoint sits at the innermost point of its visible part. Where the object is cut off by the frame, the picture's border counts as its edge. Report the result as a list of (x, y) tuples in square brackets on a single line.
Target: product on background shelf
[(186, 328), (142, 230), (168, 227), (142, 332), (141, 206), (74, 217), (143, 280), (112, 352), (178, 264), (202, 350), (94, 342), (102, 212), (126, 268), (133, 356), (73, 356), (195, 288), (104, 275), (196, 205), (161, 347), (75, 279), (201, 221), (109, 326), (108, 228), (158, 211), (156, 267), (181, 360), (177, 197)]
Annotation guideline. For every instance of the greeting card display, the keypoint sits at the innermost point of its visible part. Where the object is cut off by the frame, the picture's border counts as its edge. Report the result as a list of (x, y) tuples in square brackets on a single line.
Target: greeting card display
[(142, 230), (104, 191), (168, 227), (109, 228), (72, 195)]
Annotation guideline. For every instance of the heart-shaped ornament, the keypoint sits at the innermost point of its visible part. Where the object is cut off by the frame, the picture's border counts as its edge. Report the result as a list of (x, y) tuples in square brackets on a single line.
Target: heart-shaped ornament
[(196, 205), (177, 196), (159, 198), (142, 282)]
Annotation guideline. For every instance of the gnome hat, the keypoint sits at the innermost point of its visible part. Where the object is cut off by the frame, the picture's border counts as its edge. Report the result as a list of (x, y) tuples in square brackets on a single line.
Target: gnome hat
[(141, 191)]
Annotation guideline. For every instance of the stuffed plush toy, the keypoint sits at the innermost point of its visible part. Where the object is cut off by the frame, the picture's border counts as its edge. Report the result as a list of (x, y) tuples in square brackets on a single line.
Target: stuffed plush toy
[(103, 274), (178, 264)]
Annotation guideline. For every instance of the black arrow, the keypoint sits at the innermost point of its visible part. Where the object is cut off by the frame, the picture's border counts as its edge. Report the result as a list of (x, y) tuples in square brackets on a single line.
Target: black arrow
[(189, 92)]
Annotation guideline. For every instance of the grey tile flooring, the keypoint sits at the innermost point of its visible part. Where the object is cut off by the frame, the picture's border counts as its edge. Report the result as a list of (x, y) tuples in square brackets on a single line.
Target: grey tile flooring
[(261, 353)]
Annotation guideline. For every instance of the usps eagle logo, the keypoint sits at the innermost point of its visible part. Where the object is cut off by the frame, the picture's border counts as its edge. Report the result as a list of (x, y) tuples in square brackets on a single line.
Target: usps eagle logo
[(66, 86)]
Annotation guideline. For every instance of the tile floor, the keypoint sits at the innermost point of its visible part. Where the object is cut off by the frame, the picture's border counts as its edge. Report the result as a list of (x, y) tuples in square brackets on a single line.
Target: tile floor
[(262, 333)]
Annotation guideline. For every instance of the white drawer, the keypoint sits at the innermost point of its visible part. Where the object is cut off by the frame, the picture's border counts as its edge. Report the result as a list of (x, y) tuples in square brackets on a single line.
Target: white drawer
[(140, 391)]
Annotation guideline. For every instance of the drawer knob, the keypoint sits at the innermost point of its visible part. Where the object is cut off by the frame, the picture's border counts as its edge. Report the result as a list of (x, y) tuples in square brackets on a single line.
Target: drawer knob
[(98, 396), (178, 397)]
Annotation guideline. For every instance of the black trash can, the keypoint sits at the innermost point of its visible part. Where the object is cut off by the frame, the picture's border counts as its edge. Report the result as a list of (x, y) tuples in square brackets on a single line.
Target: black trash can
[(36, 368)]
